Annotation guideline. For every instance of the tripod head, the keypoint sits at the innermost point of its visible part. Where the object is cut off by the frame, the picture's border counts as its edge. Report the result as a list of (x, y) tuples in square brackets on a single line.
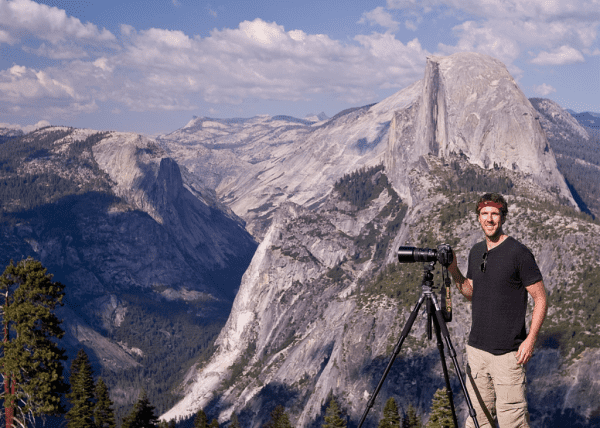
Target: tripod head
[(445, 294)]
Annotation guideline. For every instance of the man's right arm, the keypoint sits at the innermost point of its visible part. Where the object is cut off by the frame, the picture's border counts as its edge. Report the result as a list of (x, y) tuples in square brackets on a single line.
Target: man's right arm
[(464, 285)]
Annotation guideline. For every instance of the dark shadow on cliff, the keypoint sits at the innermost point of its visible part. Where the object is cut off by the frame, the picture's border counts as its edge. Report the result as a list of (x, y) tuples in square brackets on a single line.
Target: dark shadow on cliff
[(101, 249)]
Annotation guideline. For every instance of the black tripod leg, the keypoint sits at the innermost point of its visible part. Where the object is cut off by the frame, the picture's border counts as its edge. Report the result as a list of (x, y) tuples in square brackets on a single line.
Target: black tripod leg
[(449, 392), (444, 330), (407, 327)]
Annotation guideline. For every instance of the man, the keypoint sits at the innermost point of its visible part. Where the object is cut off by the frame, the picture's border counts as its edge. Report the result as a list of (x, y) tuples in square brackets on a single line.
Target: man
[(501, 272)]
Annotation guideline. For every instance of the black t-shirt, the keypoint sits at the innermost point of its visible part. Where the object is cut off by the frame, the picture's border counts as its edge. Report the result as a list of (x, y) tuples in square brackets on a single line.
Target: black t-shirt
[(499, 300)]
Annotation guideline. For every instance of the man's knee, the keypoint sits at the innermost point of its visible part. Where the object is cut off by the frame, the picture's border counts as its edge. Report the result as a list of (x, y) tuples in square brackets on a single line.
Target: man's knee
[(511, 405)]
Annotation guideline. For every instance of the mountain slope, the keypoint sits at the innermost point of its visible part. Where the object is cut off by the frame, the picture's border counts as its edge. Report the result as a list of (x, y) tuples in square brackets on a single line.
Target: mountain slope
[(577, 150), (136, 243), (324, 300), (257, 164)]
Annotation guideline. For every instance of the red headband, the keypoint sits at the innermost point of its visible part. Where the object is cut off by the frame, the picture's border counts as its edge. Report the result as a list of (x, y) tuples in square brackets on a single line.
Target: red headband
[(489, 204)]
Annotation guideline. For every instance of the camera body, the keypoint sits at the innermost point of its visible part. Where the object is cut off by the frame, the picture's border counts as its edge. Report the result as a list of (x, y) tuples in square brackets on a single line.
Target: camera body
[(442, 254)]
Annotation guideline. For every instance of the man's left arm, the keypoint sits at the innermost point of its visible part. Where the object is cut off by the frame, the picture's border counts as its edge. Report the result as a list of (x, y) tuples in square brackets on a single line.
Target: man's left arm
[(540, 307)]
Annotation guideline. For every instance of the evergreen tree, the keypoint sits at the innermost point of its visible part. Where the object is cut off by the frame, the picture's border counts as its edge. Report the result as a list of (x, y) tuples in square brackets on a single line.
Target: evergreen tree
[(279, 419), (30, 358), (333, 415), (411, 419), (391, 417), (201, 421), (441, 412), (214, 424), (81, 397), (142, 415), (104, 416)]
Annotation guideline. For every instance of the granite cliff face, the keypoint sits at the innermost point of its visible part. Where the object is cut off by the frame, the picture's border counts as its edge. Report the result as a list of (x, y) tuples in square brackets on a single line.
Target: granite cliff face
[(470, 104), (324, 300)]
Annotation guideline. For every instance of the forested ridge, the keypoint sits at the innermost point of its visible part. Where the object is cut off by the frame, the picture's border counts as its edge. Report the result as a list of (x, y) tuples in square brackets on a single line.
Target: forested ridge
[(26, 184)]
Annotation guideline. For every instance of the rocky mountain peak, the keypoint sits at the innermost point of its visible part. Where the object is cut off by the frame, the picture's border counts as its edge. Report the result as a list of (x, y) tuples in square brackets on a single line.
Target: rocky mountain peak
[(471, 105)]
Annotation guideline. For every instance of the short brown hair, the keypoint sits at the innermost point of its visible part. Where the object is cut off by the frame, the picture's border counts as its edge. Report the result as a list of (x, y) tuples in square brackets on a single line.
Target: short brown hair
[(496, 198)]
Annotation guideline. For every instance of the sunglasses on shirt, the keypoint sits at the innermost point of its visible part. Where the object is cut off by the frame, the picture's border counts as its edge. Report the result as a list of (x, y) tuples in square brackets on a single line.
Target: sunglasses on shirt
[(483, 264)]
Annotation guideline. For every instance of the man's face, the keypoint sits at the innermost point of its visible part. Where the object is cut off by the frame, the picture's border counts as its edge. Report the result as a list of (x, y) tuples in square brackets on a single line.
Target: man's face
[(491, 221)]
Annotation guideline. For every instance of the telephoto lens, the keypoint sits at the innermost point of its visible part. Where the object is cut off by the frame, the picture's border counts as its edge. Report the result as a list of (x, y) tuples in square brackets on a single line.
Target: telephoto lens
[(412, 255)]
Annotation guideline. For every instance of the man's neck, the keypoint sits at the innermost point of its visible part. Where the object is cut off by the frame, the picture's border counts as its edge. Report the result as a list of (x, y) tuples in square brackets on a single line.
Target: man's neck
[(494, 241)]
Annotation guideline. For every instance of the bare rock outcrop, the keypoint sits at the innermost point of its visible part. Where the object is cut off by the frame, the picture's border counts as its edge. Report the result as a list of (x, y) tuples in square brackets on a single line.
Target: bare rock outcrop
[(471, 105)]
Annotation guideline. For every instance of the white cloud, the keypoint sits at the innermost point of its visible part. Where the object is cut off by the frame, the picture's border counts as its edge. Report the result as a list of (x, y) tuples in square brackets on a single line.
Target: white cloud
[(561, 56), (159, 69), (410, 25), (47, 23), (261, 60), (27, 128), (484, 39), (516, 26), (212, 12), (19, 82), (543, 89), (57, 52), (103, 64), (5, 37), (379, 16), (48, 93)]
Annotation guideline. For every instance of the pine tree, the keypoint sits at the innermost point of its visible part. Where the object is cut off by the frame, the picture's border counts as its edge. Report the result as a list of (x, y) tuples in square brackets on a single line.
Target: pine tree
[(200, 421), (214, 424), (391, 417), (279, 419), (104, 416), (81, 397), (333, 415), (142, 415), (411, 419), (441, 412), (30, 358)]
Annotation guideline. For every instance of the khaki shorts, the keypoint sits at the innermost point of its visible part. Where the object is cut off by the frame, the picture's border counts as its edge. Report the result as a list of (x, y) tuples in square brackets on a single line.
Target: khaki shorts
[(496, 386)]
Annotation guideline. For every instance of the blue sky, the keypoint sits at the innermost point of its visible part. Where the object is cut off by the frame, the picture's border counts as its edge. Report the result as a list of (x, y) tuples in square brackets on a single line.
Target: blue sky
[(149, 66)]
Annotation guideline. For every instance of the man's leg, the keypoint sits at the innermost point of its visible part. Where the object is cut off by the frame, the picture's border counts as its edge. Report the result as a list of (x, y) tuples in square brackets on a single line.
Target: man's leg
[(480, 387), (511, 392)]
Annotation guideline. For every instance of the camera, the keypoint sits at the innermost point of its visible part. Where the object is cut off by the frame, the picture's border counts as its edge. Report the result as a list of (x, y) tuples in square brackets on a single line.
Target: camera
[(443, 254)]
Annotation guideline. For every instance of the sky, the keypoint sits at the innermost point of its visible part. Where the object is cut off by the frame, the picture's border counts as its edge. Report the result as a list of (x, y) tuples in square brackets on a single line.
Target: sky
[(149, 66)]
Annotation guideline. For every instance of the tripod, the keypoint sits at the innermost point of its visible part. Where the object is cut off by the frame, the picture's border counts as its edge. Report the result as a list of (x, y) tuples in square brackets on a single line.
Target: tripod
[(433, 308)]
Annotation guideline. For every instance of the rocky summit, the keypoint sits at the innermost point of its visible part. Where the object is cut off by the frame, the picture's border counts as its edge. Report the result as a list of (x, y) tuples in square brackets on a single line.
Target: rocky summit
[(324, 299)]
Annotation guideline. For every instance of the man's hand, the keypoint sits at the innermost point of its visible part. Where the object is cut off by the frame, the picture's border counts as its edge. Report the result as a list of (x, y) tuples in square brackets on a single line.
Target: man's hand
[(525, 351), (540, 307), (464, 285)]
